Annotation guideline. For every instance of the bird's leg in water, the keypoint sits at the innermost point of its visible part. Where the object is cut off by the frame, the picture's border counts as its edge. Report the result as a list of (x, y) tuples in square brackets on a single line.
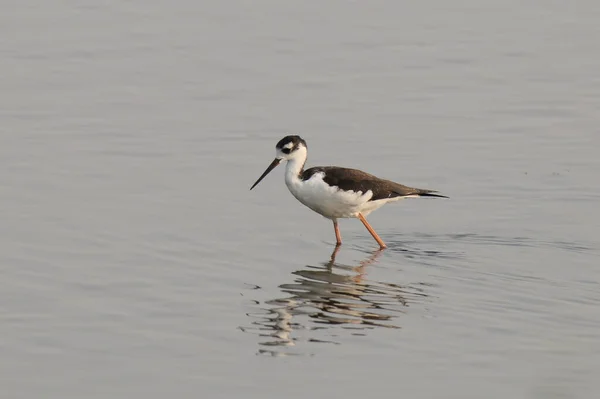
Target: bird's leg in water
[(338, 236), (373, 233)]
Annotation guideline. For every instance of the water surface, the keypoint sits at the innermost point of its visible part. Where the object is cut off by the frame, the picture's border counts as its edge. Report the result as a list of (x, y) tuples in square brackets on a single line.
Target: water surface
[(136, 263)]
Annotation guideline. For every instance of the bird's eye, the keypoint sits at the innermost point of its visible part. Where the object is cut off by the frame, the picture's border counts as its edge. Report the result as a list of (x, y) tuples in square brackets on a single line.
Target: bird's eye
[(286, 150)]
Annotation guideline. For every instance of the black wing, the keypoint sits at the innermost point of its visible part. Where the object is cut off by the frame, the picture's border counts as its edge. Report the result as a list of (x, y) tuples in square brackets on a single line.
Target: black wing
[(356, 180)]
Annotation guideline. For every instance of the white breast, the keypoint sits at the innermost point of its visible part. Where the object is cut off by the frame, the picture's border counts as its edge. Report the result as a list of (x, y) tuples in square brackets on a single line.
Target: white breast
[(326, 200)]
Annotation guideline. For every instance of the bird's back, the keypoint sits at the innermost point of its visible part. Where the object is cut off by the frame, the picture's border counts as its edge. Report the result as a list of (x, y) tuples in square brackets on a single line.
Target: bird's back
[(348, 179)]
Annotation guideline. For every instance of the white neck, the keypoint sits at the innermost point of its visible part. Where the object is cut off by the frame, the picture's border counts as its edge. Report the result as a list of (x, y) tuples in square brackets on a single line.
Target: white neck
[(294, 166)]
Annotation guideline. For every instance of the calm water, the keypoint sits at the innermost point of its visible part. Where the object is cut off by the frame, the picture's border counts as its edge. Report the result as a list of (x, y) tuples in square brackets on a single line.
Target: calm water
[(135, 263)]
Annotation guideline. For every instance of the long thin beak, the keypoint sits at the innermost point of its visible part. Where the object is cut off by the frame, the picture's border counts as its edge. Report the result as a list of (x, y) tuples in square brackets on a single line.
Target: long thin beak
[(270, 168)]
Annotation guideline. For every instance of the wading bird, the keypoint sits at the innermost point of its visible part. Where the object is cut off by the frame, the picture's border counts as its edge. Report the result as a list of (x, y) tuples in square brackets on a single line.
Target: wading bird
[(336, 192)]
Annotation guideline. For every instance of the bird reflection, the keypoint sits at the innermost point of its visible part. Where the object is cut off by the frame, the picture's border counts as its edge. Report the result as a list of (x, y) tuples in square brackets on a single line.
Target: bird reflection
[(327, 296)]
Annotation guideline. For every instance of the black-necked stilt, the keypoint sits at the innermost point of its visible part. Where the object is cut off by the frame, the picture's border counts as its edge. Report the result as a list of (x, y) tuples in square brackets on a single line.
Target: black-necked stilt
[(336, 192)]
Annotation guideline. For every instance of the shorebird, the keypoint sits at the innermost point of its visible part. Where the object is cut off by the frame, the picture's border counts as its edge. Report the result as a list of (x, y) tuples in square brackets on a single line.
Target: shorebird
[(336, 192)]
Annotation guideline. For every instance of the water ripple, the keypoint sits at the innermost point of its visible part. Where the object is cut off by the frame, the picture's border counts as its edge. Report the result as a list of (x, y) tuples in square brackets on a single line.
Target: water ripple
[(415, 245)]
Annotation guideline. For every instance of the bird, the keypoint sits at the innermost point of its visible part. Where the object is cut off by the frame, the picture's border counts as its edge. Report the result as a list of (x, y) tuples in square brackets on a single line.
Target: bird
[(336, 192)]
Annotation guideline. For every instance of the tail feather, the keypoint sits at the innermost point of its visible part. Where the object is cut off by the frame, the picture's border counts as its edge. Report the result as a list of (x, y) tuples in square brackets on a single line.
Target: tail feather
[(399, 190), (429, 193)]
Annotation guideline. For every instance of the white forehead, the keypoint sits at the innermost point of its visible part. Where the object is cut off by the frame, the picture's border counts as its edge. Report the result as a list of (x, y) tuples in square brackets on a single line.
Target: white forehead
[(288, 145)]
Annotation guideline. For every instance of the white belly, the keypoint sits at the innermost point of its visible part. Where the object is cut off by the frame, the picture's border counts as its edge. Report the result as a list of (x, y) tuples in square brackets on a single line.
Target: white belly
[(330, 201)]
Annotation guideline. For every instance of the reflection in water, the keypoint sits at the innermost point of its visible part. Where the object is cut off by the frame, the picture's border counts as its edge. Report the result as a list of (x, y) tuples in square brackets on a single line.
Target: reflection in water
[(324, 297)]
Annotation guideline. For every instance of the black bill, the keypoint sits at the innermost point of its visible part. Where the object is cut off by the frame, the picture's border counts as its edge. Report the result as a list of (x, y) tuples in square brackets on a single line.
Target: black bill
[(270, 168)]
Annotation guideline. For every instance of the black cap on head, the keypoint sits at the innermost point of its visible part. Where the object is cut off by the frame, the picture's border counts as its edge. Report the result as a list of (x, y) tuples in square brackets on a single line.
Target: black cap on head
[(295, 140)]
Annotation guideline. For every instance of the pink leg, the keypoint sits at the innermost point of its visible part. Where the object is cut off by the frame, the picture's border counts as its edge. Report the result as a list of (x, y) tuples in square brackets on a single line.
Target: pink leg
[(338, 236), (373, 233)]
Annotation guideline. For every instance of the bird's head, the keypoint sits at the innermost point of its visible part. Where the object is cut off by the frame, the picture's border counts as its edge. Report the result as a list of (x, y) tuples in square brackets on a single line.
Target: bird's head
[(289, 148)]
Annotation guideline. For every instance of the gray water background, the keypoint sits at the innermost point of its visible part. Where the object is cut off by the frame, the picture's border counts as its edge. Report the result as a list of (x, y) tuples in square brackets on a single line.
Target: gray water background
[(135, 262)]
